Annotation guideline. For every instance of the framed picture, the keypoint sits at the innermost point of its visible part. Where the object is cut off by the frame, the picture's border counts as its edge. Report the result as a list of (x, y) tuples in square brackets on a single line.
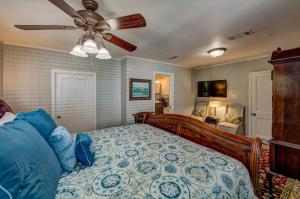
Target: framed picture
[(139, 89)]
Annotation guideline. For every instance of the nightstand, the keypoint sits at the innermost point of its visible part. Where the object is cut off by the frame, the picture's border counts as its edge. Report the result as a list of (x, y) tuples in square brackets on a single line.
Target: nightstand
[(212, 121)]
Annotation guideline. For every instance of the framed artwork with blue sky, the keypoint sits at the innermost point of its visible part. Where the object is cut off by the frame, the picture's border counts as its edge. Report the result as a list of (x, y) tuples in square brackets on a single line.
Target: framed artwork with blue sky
[(139, 89)]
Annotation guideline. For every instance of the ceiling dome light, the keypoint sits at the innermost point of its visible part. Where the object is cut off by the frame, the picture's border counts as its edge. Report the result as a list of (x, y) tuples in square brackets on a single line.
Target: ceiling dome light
[(89, 46), (103, 54), (78, 52), (216, 52)]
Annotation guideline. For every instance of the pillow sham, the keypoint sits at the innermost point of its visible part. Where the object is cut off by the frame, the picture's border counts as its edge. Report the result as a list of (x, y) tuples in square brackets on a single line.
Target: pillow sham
[(7, 117), (83, 149), (63, 145), (233, 119), (28, 166), (40, 120)]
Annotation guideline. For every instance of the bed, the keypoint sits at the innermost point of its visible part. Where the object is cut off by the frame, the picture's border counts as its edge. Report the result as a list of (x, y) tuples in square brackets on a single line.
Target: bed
[(167, 156)]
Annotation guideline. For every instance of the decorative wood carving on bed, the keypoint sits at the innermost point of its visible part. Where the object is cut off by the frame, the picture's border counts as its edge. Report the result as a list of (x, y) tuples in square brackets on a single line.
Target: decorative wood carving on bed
[(4, 107), (244, 149)]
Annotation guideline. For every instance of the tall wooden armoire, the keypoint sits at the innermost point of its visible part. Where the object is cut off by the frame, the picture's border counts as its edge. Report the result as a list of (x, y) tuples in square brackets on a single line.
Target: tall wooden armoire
[(285, 144)]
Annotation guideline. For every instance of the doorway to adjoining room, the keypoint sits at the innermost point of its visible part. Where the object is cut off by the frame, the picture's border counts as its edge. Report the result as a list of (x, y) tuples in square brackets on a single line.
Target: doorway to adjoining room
[(163, 93)]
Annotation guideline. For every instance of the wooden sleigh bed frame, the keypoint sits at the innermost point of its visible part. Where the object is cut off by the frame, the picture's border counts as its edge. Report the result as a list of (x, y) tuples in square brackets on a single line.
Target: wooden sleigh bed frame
[(244, 149), (4, 107)]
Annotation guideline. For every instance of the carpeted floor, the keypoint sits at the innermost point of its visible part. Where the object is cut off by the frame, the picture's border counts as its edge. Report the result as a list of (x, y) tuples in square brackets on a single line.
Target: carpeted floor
[(281, 185)]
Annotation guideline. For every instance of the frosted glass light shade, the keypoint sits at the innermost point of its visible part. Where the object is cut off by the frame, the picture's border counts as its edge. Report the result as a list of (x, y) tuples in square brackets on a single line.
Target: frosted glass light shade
[(78, 52), (217, 52), (89, 46), (103, 54)]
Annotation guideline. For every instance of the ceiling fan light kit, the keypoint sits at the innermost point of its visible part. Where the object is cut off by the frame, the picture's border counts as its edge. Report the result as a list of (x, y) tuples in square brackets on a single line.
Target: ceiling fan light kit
[(103, 54), (77, 51), (216, 52), (90, 46), (94, 26)]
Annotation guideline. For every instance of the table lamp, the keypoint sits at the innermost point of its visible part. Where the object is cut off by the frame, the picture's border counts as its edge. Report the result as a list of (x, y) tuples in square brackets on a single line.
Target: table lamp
[(214, 104)]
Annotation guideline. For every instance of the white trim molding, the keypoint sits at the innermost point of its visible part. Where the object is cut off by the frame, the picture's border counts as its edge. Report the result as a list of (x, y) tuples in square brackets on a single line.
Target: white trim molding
[(232, 62), (155, 61)]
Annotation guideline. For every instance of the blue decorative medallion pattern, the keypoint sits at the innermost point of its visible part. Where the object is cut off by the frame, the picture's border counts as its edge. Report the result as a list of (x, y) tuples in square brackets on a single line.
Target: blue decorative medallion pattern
[(68, 192), (132, 152), (199, 174), (189, 148), (222, 163), (142, 162), (171, 157), (146, 167), (155, 146), (170, 169), (110, 182), (169, 187)]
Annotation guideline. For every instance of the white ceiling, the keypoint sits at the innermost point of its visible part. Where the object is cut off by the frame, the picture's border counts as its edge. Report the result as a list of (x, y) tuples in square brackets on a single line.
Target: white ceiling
[(183, 28)]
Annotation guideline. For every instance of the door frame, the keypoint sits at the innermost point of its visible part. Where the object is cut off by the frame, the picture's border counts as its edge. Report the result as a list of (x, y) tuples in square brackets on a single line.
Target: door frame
[(53, 88), (251, 75), (171, 100)]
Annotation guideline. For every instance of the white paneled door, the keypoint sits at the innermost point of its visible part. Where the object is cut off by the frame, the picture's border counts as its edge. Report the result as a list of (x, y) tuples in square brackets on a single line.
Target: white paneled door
[(74, 100), (260, 105)]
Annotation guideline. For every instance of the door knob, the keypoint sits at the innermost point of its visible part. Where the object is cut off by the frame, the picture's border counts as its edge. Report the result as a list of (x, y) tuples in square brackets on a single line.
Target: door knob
[(58, 117), (253, 114)]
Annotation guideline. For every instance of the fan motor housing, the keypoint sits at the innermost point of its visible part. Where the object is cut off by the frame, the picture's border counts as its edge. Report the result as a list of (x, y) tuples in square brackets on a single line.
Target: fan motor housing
[(90, 4), (91, 18)]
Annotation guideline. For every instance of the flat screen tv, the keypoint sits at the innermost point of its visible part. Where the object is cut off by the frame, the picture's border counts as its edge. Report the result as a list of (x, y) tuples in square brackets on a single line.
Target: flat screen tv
[(216, 88)]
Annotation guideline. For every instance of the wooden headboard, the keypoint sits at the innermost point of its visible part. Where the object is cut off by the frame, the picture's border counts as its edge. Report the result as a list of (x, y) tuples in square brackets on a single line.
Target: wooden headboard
[(4, 107), (244, 149)]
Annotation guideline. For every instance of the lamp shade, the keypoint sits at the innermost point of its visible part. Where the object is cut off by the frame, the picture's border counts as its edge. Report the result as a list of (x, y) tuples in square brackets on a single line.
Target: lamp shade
[(78, 52), (90, 46), (214, 104), (103, 54)]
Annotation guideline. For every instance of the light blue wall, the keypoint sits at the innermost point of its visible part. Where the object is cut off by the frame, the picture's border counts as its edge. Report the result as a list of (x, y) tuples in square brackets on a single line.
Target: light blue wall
[(27, 80), (237, 76), (144, 69)]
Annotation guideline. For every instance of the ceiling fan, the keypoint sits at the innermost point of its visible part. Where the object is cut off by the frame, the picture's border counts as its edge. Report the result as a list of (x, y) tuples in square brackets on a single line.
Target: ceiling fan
[(95, 27)]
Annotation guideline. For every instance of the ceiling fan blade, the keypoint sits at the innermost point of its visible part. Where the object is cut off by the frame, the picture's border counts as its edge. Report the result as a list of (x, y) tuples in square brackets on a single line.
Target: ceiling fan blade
[(45, 27), (119, 42), (127, 22), (61, 4)]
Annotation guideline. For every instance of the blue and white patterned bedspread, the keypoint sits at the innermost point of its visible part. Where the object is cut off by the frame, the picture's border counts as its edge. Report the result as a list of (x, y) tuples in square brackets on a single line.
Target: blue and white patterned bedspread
[(143, 162)]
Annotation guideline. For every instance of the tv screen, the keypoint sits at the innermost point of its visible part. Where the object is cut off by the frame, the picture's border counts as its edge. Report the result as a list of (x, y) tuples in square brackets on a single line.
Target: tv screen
[(217, 88)]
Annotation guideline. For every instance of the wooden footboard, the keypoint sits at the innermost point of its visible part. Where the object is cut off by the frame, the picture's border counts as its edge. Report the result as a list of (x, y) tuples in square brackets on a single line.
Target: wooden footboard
[(4, 107), (244, 149)]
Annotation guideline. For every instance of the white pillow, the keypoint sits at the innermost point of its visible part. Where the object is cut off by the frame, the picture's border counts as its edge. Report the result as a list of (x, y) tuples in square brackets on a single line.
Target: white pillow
[(7, 117)]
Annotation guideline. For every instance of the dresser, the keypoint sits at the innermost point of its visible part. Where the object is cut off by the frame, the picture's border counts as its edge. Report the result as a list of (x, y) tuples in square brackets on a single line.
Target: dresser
[(285, 143)]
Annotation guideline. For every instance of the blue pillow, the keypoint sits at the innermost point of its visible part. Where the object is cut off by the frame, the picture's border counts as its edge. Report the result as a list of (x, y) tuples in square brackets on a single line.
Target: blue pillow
[(63, 145), (40, 120), (83, 149), (28, 166)]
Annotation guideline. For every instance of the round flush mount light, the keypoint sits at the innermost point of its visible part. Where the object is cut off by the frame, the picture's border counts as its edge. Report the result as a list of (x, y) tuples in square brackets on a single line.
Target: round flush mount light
[(216, 52)]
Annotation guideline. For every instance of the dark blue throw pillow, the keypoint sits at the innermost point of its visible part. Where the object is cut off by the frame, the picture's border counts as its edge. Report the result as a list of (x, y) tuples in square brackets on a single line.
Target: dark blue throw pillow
[(28, 166), (83, 149), (40, 120)]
